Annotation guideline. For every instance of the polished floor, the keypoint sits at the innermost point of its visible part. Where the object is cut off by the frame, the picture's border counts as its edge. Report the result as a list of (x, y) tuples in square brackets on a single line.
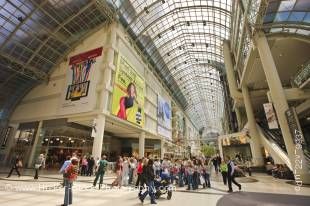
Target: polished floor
[(267, 191)]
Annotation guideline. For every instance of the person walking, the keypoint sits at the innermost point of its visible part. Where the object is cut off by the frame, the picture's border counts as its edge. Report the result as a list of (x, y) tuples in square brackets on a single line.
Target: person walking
[(125, 173), (207, 173), (132, 167), (39, 164), (149, 175), (215, 164), (70, 174), (231, 175), (16, 164), (190, 172), (91, 164), (181, 174), (119, 171), (139, 172), (84, 165), (102, 166), (223, 170)]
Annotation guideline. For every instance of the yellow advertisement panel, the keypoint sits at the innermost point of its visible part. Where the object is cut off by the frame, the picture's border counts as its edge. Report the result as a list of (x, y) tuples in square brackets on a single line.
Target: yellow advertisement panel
[(128, 93)]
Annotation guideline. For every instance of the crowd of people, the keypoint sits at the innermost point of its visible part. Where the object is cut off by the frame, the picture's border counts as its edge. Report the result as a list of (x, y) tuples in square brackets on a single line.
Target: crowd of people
[(142, 173)]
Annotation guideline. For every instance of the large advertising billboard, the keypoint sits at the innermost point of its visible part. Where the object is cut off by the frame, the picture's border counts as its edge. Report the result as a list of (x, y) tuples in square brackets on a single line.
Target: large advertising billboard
[(79, 92), (164, 117), (270, 116), (128, 93)]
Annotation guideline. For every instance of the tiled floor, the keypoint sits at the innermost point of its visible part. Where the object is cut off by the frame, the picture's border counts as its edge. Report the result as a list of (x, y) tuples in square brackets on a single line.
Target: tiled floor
[(24, 191)]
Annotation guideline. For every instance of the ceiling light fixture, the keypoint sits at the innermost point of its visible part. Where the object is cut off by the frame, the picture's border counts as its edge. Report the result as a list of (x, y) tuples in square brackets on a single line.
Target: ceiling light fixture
[(146, 10)]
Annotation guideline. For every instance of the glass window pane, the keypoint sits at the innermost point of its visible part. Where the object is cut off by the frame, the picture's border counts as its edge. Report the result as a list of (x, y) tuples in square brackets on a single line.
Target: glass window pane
[(297, 16), (282, 16)]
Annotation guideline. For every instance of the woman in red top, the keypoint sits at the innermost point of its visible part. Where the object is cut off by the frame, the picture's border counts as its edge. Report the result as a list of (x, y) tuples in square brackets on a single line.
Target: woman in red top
[(70, 174), (127, 102), (139, 172)]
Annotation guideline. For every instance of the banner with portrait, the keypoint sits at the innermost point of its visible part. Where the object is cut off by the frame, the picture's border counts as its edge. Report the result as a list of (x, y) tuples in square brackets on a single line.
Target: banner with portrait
[(164, 117), (79, 92), (270, 116), (128, 93)]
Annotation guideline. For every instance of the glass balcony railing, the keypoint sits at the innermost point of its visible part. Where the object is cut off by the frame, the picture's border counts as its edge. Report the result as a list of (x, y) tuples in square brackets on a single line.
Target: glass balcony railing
[(302, 75)]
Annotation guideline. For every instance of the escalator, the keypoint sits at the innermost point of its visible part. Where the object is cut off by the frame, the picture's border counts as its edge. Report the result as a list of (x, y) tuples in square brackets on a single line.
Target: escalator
[(273, 141)]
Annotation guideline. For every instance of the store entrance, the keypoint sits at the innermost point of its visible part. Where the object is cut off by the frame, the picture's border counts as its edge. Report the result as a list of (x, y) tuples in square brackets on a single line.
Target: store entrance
[(60, 141)]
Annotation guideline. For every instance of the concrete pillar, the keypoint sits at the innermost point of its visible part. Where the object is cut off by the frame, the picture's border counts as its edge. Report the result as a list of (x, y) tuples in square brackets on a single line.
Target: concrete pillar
[(162, 150), (233, 88), (239, 119), (220, 145), (255, 137), (141, 144), (280, 103), (34, 146), (97, 134), (107, 68)]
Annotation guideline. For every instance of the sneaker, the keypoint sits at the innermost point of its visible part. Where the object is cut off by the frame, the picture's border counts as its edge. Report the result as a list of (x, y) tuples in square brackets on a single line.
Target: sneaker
[(229, 191), (153, 203)]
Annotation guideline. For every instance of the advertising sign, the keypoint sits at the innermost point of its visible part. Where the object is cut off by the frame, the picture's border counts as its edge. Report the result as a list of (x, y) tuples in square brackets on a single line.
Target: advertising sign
[(128, 93), (79, 93), (270, 116), (164, 117)]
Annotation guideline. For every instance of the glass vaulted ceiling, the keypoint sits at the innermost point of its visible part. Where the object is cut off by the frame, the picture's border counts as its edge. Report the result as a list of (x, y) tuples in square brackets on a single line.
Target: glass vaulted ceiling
[(183, 38)]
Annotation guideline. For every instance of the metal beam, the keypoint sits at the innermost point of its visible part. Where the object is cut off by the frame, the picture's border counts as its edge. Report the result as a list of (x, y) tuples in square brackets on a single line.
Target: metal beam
[(37, 74), (57, 29)]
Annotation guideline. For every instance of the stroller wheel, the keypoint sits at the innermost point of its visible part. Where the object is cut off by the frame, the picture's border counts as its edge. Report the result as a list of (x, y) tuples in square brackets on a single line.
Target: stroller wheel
[(169, 195), (157, 194)]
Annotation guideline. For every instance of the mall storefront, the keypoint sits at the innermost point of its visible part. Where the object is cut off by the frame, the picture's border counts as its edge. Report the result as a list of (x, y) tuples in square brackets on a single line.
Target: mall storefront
[(55, 138), (59, 138)]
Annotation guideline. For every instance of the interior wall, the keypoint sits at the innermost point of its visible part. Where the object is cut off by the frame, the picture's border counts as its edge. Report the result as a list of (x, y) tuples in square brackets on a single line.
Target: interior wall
[(43, 101)]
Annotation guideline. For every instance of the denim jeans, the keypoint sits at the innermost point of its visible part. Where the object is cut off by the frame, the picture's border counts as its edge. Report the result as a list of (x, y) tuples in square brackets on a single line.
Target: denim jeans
[(207, 179), (68, 192), (131, 170), (150, 191), (181, 177), (190, 181)]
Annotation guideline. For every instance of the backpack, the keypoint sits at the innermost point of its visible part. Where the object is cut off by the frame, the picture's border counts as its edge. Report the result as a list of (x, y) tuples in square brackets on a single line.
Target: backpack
[(71, 172)]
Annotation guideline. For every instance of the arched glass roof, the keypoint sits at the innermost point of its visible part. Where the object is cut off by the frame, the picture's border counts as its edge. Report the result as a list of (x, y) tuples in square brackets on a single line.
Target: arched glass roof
[(35, 35), (183, 39), (288, 16)]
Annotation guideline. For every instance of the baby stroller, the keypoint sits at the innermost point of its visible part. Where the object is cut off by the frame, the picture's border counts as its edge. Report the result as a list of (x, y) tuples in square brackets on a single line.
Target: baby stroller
[(163, 186)]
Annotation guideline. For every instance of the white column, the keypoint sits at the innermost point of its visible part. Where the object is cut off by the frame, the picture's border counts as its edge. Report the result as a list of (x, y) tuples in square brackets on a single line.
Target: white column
[(141, 144), (162, 150), (98, 133), (280, 103), (255, 143), (34, 146), (238, 115), (219, 140), (229, 66), (108, 65)]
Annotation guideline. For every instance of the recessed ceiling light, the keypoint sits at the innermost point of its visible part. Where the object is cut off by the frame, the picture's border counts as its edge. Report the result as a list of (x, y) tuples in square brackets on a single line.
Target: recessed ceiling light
[(146, 10)]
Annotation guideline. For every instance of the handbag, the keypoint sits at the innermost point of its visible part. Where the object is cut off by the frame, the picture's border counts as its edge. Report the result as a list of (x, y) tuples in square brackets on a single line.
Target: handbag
[(37, 166), (19, 164), (202, 180)]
